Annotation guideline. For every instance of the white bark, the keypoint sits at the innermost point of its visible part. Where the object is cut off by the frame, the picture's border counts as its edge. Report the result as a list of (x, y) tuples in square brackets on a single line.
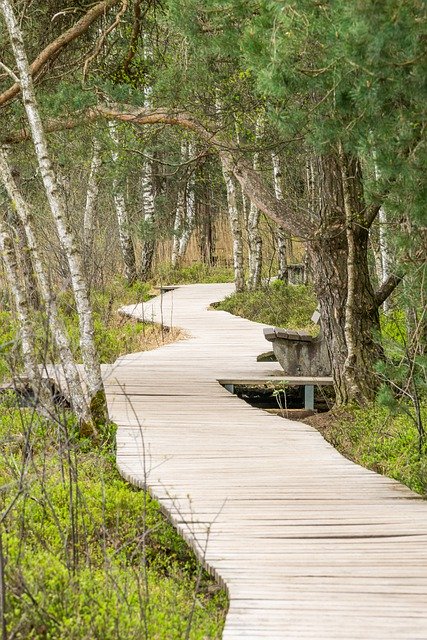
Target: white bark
[(126, 244), (350, 307), (383, 268), (236, 230), (148, 204), (147, 190), (189, 209), (177, 227), (26, 327), (281, 238), (254, 236), (179, 214), (91, 200), (50, 181), (79, 401)]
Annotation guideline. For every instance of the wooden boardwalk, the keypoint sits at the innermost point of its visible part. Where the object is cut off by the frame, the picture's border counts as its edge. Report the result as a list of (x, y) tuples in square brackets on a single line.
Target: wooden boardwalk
[(308, 544)]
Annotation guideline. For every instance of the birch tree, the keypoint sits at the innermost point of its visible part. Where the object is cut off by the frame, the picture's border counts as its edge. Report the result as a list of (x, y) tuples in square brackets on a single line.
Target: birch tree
[(42, 398), (185, 209), (147, 193), (53, 192), (190, 209), (236, 229), (179, 213), (126, 243), (254, 236), (90, 204), (281, 237), (79, 401)]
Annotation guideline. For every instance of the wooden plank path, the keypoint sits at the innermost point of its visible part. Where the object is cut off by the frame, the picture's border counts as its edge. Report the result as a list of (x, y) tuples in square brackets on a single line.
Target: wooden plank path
[(308, 544)]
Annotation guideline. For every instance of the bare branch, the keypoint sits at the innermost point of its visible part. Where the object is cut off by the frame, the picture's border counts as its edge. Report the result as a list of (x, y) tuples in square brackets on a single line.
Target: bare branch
[(387, 288), (103, 35), (59, 43), (252, 183)]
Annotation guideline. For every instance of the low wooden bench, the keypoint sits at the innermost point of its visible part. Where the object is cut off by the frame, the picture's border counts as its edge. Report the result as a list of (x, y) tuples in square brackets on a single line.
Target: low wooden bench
[(298, 352), (301, 354)]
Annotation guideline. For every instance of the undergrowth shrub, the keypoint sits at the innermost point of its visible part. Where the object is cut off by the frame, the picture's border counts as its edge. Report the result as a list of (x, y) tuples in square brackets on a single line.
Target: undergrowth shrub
[(278, 304), (382, 441), (87, 555), (198, 272)]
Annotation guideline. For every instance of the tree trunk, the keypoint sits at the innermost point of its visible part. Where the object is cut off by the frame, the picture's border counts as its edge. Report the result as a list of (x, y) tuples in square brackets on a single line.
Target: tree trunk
[(42, 398), (79, 401), (32, 293), (126, 244), (190, 210), (338, 255), (282, 243), (148, 244), (148, 191), (179, 214), (236, 230), (204, 220), (87, 342), (90, 206)]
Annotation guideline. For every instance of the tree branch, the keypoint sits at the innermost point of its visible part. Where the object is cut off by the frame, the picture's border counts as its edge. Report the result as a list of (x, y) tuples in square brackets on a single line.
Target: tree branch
[(258, 190), (59, 43), (386, 289), (370, 214)]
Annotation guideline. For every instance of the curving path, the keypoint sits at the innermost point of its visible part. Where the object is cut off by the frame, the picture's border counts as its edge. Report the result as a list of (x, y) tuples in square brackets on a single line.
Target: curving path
[(308, 544)]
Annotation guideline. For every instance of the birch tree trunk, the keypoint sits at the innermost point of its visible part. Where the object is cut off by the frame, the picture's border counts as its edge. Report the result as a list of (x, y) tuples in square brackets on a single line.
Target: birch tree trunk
[(42, 398), (384, 251), (90, 206), (126, 244), (87, 342), (79, 401), (236, 230), (148, 245), (179, 214), (32, 292), (254, 236), (147, 191), (190, 210), (281, 237)]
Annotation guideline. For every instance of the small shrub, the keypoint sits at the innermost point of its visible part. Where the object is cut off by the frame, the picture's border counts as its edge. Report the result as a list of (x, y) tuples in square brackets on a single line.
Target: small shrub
[(279, 304), (88, 555)]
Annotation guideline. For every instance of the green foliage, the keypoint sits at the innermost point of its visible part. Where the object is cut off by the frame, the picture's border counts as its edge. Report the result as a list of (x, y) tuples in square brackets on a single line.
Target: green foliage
[(279, 304), (382, 441), (96, 557), (114, 334), (8, 345)]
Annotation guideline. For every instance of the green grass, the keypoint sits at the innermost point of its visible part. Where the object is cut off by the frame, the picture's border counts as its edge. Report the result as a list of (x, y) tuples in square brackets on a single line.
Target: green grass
[(115, 335), (279, 304), (165, 274), (379, 439), (87, 555)]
